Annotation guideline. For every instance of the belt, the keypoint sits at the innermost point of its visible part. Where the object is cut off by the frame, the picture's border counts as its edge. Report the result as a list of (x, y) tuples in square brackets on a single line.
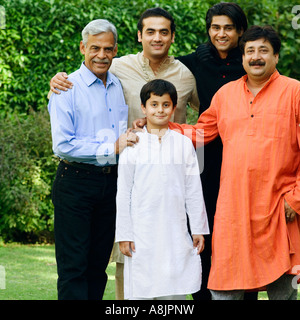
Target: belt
[(92, 168)]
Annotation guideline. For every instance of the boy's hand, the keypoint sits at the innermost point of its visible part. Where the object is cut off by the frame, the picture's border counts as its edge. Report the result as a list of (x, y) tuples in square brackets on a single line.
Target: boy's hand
[(126, 247), (198, 241), (59, 81)]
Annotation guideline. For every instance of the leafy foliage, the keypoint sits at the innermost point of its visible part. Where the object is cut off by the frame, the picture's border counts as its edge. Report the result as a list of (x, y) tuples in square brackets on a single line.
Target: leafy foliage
[(42, 38), (278, 14), (27, 170)]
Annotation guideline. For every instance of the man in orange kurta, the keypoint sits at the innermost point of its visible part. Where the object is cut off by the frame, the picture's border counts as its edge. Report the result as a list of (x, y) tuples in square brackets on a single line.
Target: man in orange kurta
[(256, 238)]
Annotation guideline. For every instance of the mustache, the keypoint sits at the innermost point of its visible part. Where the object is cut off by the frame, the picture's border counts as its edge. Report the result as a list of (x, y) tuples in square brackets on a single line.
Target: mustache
[(101, 60), (257, 63)]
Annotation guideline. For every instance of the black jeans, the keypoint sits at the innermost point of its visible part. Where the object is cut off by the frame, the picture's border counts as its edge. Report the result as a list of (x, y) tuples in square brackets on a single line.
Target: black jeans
[(84, 225)]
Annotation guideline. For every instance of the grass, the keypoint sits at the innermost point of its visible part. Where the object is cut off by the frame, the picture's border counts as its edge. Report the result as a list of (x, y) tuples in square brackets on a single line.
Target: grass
[(30, 274)]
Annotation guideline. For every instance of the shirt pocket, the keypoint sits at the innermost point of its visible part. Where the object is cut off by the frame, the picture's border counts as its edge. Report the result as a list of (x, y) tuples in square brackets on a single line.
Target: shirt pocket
[(274, 125)]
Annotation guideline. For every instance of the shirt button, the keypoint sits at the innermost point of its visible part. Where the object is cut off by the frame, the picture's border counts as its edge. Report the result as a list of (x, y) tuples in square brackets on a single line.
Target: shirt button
[(224, 76), (251, 102), (113, 126), (109, 109), (228, 63), (252, 115)]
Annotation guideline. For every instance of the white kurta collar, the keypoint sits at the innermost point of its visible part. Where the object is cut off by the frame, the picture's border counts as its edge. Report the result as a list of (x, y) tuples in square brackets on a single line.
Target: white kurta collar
[(154, 136)]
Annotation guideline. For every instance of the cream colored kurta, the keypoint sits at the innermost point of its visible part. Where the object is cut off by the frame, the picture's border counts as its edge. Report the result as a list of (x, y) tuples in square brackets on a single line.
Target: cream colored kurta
[(158, 183), (134, 71)]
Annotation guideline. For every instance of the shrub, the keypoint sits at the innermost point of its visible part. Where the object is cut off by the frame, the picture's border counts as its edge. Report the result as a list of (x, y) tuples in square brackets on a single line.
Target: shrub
[(27, 170), (278, 14), (42, 38)]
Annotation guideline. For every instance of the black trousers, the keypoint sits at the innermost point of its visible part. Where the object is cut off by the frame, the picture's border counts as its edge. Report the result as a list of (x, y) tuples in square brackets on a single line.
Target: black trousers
[(84, 225)]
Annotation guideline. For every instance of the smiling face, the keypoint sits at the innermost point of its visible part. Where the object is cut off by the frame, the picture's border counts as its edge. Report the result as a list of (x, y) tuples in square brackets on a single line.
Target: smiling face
[(259, 60), (99, 52), (223, 35), (156, 37), (158, 111)]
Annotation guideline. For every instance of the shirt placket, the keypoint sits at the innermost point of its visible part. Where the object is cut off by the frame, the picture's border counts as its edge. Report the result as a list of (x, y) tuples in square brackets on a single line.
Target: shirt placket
[(251, 113), (108, 138), (109, 109)]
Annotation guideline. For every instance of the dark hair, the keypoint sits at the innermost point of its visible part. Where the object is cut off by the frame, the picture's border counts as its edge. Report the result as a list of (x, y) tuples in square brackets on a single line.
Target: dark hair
[(156, 12), (231, 10), (265, 32), (158, 87)]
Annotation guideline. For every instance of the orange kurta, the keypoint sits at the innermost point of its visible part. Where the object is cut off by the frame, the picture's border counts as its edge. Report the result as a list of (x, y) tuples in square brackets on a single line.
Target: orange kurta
[(252, 243)]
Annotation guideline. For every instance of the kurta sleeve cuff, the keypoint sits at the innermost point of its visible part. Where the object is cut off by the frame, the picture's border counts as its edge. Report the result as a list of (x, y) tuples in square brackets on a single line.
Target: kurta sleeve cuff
[(124, 237), (294, 203)]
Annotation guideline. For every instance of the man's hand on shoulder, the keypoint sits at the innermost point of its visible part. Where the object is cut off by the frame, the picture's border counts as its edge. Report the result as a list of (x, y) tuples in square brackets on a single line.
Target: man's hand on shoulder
[(139, 124), (60, 81), (127, 139)]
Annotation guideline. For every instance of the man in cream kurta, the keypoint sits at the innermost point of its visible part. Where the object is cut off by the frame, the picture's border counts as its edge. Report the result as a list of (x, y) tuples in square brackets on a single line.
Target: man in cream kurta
[(134, 71), (158, 183)]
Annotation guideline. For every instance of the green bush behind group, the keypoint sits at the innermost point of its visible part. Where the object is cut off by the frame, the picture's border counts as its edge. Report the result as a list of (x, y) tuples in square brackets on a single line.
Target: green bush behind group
[(40, 38)]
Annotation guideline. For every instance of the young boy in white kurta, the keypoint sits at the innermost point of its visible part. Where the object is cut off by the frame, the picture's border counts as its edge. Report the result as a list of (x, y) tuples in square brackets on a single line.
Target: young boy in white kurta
[(158, 187)]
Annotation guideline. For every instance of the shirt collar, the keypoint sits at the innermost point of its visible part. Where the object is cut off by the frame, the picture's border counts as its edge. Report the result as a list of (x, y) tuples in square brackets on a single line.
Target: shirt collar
[(146, 61), (89, 77), (154, 136), (208, 51)]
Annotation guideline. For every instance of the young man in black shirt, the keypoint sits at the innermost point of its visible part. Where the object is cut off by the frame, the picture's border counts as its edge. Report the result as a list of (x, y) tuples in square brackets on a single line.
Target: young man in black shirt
[(214, 64)]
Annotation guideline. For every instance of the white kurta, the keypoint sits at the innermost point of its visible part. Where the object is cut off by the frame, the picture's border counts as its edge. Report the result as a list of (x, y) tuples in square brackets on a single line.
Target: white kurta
[(158, 183)]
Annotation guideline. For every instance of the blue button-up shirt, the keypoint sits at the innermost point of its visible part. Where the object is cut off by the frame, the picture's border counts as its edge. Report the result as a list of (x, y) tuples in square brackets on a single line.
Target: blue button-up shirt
[(88, 119)]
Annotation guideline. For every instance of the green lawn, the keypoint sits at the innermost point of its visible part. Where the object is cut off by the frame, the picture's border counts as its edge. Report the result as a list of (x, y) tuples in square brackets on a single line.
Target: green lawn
[(30, 273)]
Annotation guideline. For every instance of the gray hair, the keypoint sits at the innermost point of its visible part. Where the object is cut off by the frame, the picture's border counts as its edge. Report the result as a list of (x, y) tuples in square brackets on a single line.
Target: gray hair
[(98, 26)]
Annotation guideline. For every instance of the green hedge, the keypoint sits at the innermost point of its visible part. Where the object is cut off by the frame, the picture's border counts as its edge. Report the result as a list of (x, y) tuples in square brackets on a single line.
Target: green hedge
[(27, 171), (41, 38)]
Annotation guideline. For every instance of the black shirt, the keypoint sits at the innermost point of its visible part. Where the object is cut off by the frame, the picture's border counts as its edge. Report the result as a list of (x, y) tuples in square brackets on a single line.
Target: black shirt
[(211, 73)]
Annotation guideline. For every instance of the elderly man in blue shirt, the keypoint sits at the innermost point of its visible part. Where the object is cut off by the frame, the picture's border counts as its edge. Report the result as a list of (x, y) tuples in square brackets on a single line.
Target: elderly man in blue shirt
[(88, 127)]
